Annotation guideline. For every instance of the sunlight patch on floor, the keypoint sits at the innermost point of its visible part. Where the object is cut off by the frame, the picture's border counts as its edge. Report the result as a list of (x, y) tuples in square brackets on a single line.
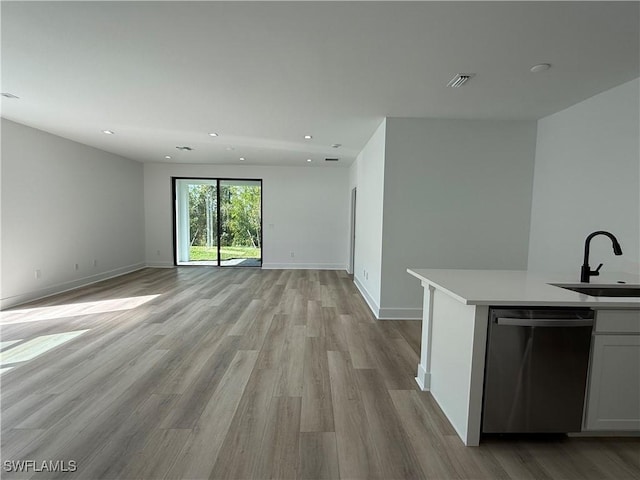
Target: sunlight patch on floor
[(73, 309), (8, 343), (33, 348)]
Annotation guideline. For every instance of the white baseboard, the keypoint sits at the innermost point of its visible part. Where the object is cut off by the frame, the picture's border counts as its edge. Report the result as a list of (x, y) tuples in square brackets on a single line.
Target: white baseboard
[(66, 286), (160, 265), (423, 379), (367, 297), (303, 266), (387, 313), (400, 314), (272, 266)]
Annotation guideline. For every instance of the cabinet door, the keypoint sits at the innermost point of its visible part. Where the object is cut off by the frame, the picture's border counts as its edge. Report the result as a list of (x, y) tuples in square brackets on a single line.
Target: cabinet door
[(613, 400)]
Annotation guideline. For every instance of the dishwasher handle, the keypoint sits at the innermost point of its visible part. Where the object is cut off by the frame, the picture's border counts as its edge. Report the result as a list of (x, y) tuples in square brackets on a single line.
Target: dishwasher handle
[(544, 322)]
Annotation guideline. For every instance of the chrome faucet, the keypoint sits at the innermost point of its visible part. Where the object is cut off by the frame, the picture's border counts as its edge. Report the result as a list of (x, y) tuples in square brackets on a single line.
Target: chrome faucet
[(586, 273)]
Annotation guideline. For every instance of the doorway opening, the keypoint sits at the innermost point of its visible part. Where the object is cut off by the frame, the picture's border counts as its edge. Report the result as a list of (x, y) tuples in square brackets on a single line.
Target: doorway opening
[(217, 222)]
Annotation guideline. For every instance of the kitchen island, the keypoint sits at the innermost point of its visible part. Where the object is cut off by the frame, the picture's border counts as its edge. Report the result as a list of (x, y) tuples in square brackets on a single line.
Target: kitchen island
[(454, 330)]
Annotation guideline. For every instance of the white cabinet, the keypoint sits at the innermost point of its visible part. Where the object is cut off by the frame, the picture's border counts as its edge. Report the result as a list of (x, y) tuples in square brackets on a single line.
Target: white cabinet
[(613, 397)]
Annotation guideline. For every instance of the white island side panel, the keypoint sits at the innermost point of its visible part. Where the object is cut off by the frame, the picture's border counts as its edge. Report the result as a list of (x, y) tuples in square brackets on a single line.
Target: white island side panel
[(457, 363)]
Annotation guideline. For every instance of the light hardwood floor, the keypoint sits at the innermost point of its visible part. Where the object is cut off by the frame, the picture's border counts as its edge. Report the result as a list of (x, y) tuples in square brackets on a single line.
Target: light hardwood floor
[(200, 372)]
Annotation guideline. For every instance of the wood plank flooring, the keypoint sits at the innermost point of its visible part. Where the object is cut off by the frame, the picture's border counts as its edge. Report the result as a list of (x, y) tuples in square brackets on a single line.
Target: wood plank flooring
[(199, 372)]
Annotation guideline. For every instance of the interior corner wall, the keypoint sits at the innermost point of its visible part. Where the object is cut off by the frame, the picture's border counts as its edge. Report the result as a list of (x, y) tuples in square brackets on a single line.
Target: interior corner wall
[(587, 178), (368, 172), (65, 204), (457, 194), (305, 212)]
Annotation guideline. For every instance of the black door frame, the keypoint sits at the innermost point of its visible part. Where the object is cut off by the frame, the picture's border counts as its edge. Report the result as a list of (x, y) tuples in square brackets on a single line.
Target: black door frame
[(174, 196)]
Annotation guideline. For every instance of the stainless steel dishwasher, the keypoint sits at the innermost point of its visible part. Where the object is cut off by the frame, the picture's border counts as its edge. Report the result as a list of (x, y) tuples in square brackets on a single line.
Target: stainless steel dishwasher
[(536, 369)]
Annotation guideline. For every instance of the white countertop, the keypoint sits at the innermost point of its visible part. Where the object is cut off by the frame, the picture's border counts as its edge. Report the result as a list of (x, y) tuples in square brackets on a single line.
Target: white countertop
[(516, 287)]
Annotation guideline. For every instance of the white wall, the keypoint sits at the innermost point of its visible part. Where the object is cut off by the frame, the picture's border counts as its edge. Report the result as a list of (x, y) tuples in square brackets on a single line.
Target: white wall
[(587, 178), (65, 203), (368, 172), (353, 185), (305, 211), (457, 194)]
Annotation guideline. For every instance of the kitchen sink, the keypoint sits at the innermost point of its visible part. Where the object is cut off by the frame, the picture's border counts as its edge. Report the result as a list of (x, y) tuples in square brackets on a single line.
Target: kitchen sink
[(604, 290)]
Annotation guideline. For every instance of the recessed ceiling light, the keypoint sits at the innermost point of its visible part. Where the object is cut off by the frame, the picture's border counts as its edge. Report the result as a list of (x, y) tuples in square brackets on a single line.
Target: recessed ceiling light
[(460, 79), (336, 145), (230, 149), (308, 137), (541, 67), (167, 156), (108, 132), (308, 159), (9, 95), (212, 134), (242, 159), (184, 149)]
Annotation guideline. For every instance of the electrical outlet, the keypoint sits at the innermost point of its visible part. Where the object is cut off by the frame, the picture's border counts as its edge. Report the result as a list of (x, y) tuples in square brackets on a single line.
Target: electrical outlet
[(293, 254), (95, 262), (76, 266), (38, 274), (158, 253)]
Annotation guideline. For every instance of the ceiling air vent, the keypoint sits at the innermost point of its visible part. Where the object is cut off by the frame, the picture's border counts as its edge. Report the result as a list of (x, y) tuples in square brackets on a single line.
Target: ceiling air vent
[(184, 149), (460, 79), (331, 159)]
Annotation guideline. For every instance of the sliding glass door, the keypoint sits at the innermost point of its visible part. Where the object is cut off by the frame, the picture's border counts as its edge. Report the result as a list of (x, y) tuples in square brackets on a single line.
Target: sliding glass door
[(196, 221), (218, 222), (240, 222)]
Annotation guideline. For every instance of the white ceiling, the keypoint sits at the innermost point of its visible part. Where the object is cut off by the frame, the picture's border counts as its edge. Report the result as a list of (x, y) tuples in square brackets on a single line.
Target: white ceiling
[(264, 74)]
